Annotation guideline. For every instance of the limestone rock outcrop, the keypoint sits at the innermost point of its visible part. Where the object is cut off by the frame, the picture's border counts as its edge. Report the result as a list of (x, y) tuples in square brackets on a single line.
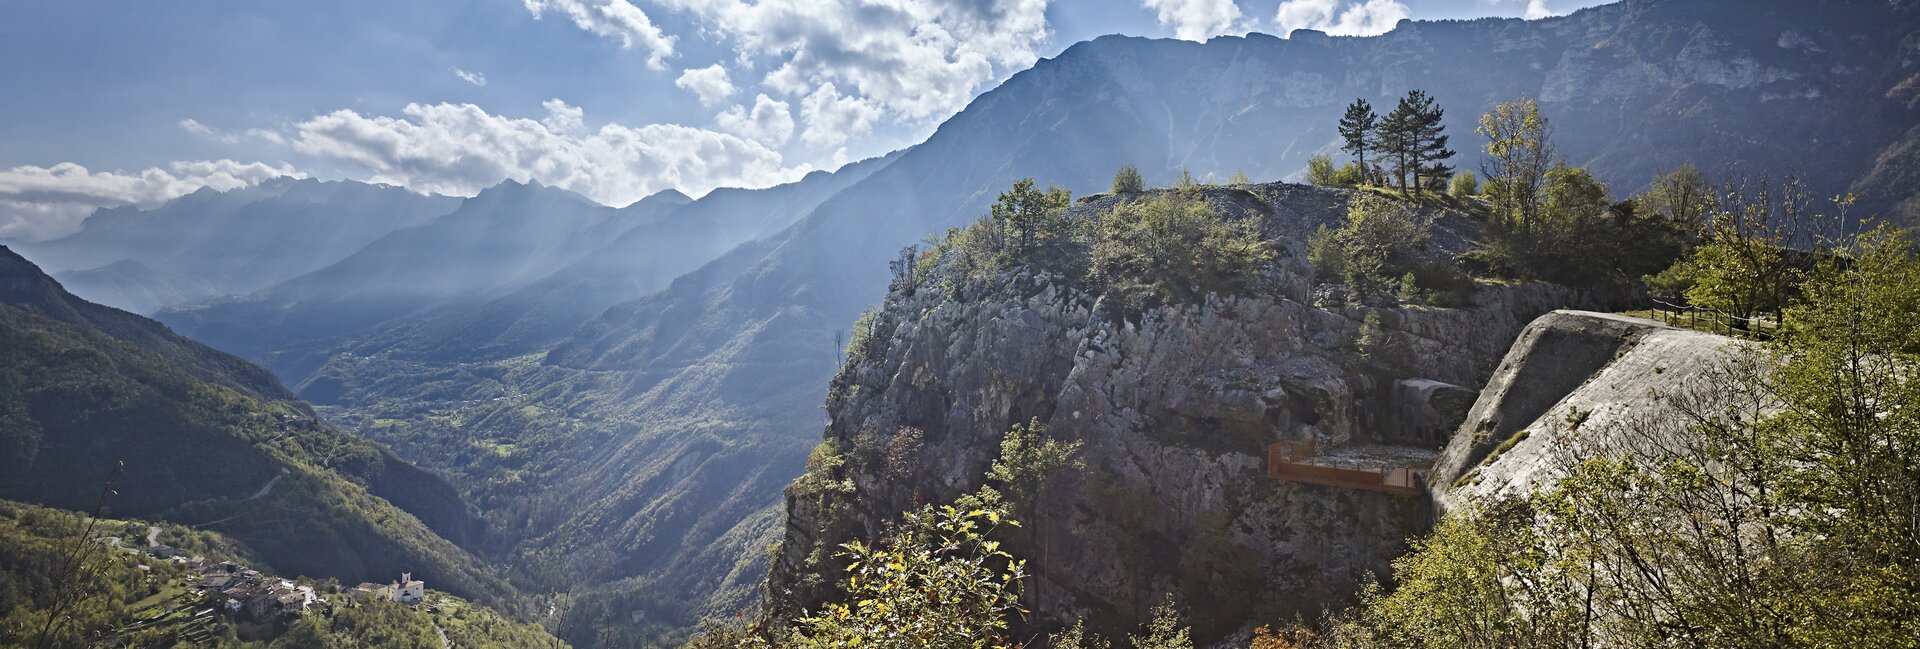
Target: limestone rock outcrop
[(1573, 381), (1175, 406)]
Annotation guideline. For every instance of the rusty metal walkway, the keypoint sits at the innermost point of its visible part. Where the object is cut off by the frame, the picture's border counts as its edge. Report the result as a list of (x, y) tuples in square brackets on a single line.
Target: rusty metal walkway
[(1301, 462)]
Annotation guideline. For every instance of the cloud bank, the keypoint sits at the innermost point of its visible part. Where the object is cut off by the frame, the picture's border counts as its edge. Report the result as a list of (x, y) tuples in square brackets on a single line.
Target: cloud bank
[(855, 62), (1196, 20), (46, 202), (615, 19), (1341, 17), (461, 149)]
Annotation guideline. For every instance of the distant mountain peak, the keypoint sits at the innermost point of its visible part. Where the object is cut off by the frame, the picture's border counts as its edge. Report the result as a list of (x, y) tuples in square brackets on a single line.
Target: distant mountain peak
[(511, 189), (668, 196)]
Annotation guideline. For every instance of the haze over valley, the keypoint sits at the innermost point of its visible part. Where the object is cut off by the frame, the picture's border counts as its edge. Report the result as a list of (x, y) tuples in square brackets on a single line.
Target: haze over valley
[(672, 323)]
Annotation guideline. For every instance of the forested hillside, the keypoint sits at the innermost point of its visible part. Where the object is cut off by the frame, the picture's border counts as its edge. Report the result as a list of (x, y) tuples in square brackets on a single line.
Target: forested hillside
[(92, 396)]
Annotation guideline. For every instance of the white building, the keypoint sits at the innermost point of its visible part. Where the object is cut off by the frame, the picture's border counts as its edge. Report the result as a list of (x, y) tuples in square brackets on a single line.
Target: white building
[(409, 590)]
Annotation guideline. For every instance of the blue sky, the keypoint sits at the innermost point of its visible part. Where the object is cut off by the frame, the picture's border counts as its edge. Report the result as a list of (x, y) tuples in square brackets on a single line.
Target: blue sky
[(130, 102)]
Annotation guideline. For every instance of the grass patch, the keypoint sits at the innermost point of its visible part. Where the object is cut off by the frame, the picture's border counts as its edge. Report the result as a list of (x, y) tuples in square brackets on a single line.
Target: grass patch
[(1506, 446)]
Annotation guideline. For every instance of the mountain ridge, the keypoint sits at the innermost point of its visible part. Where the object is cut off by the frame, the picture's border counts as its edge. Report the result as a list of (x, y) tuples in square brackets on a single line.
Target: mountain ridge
[(90, 393)]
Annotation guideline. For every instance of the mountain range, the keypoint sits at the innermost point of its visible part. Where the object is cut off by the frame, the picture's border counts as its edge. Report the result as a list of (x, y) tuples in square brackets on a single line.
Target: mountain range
[(622, 393)]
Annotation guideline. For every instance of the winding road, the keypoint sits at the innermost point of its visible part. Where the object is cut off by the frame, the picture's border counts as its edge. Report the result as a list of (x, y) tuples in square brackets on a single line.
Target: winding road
[(264, 490)]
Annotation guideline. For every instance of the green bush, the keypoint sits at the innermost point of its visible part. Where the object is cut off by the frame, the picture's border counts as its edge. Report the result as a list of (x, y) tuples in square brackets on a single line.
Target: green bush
[(1175, 247), (936, 580), (1128, 180), (1025, 227), (1320, 171), (1463, 185), (1349, 175), (1580, 237), (1381, 250)]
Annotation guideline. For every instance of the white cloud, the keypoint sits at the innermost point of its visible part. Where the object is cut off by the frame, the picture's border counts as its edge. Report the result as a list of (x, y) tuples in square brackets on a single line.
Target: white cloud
[(267, 135), (770, 122), (461, 149), (194, 126), (832, 118), (44, 202), (474, 78), (562, 118), (710, 84), (1537, 9), (1341, 17), (1196, 20), (617, 19), (920, 60), (903, 62)]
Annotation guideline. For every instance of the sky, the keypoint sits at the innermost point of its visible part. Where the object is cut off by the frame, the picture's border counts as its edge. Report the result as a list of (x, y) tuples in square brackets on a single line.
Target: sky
[(128, 102)]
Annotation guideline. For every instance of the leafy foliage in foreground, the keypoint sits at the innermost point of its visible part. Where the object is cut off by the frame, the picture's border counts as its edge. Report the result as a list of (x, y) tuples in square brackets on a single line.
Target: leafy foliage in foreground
[(936, 580), (1776, 503)]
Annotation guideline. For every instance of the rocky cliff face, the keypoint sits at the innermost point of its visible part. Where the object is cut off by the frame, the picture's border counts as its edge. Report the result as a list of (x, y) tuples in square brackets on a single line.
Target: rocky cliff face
[(1575, 381), (1176, 407)]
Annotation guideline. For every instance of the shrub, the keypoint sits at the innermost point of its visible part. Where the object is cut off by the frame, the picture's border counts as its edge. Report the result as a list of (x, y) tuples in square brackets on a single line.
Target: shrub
[(1377, 241), (1026, 227), (1185, 181), (1028, 460), (1164, 631), (1373, 335), (1580, 237), (1077, 637), (1349, 175), (1127, 180), (1320, 171), (1175, 247), (1326, 254), (1464, 184), (935, 580)]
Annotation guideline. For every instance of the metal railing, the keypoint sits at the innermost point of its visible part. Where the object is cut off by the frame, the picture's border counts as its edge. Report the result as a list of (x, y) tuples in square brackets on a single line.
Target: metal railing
[(1290, 461), (1759, 326)]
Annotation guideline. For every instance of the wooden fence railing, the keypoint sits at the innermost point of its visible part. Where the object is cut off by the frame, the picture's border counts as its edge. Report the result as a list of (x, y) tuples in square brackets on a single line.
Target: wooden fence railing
[(1758, 326)]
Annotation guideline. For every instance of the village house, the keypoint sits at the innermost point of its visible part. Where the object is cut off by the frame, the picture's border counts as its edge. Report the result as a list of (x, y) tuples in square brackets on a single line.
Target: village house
[(240, 588), (406, 591)]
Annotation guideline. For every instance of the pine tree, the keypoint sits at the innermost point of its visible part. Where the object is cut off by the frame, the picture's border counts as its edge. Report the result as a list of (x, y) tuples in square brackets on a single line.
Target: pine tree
[(1429, 140), (1413, 132), (1395, 139), (1357, 127)]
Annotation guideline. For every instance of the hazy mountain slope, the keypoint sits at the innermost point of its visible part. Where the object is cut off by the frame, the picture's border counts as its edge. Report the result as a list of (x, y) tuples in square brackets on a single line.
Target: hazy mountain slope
[(503, 239), (209, 440), (137, 287), (716, 381), (212, 243), (640, 261)]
